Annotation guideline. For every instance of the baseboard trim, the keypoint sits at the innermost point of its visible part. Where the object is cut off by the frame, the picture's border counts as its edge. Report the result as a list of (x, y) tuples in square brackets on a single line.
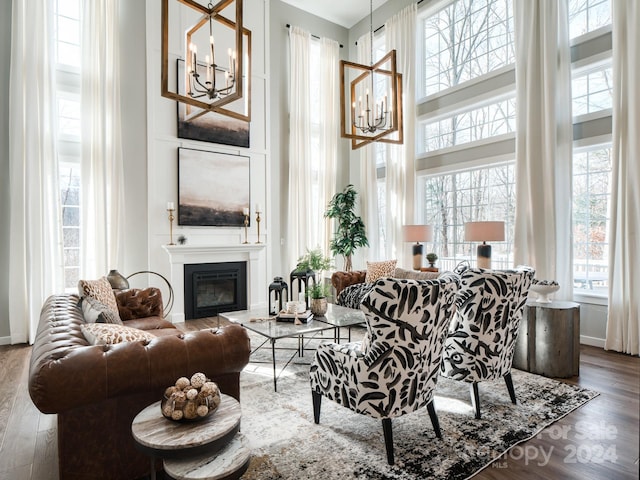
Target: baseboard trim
[(592, 341), (5, 340)]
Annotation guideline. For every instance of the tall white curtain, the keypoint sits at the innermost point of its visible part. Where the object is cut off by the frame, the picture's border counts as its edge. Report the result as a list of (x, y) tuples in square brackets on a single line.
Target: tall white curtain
[(543, 227), (102, 170), (330, 126), (623, 334), (369, 209), (400, 33), (299, 144), (36, 261), (311, 185)]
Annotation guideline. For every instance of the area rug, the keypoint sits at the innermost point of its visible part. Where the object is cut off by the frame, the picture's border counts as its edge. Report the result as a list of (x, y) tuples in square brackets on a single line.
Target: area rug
[(286, 444)]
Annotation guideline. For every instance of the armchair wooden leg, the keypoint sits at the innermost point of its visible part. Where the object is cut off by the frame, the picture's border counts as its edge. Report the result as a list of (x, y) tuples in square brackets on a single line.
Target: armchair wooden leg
[(475, 398), (317, 402), (434, 419), (388, 439), (512, 392)]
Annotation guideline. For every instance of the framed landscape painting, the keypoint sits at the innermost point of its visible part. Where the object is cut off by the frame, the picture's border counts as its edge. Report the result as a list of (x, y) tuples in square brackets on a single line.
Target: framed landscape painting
[(197, 124), (213, 188)]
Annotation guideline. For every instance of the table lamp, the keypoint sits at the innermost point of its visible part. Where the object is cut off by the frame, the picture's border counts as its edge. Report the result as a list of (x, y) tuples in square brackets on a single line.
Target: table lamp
[(417, 233), (484, 232)]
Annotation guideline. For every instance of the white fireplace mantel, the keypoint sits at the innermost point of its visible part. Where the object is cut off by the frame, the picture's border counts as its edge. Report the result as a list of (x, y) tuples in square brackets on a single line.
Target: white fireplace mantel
[(253, 254)]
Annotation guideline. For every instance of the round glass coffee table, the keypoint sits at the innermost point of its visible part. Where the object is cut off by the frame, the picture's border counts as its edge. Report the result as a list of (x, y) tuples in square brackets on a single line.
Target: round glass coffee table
[(206, 449)]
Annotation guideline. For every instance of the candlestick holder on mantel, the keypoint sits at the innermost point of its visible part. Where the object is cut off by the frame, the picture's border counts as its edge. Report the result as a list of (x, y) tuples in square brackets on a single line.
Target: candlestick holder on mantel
[(258, 219), (245, 212), (171, 209)]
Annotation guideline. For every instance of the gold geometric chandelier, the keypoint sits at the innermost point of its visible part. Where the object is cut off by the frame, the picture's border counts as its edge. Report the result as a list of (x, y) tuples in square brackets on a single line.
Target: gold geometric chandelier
[(216, 52), (374, 95)]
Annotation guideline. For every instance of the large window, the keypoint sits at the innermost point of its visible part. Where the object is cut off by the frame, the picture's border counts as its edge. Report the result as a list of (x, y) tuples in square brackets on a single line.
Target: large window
[(470, 195), (591, 195), (67, 28), (477, 124), (465, 40), (465, 162)]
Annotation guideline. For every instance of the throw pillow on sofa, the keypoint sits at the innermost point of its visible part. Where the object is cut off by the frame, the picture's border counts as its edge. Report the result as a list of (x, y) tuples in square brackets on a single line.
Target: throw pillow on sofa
[(110, 334), (402, 273), (100, 290), (96, 312), (377, 270)]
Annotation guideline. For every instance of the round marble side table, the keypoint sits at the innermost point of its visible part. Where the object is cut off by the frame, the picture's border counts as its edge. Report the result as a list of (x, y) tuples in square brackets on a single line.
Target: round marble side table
[(212, 438)]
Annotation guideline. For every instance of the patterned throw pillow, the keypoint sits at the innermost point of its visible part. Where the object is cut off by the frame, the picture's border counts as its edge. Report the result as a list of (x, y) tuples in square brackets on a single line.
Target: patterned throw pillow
[(100, 290), (376, 270), (96, 312), (109, 334)]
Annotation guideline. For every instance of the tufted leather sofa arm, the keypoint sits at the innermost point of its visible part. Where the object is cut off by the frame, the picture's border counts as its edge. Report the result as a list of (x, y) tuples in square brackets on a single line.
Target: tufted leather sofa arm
[(341, 280), (97, 390), (139, 303)]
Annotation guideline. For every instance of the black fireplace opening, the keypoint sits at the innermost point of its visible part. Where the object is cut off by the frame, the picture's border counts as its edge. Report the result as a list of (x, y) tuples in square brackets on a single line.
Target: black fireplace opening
[(212, 288)]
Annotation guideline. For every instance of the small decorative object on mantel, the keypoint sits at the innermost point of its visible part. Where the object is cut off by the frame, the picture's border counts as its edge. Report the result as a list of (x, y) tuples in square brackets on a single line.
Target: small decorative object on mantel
[(182, 240), (543, 289), (431, 258), (171, 209), (190, 399), (258, 219), (245, 212)]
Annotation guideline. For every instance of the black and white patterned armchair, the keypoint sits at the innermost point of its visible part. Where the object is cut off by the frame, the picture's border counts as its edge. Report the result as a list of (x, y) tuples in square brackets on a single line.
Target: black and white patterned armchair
[(394, 370), (483, 333)]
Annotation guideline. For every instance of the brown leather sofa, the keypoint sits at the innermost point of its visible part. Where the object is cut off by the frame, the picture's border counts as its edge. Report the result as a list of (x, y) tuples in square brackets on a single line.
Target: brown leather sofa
[(97, 390), (341, 279)]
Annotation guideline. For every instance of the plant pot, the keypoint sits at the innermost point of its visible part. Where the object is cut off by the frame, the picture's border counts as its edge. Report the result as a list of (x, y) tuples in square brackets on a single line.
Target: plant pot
[(319, 306)]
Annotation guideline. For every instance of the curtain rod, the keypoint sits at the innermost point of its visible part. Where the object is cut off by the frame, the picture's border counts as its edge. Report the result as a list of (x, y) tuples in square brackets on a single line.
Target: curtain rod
[(314, 36), (382, 26)]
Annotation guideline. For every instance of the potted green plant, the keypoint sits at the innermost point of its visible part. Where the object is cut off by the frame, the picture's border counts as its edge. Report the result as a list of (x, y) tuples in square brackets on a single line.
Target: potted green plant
[(313, 261), (431, 258), (350, 232), (318, 293)]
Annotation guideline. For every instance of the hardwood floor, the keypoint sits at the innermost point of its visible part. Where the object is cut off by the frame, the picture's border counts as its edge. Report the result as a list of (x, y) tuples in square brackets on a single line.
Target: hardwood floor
[(598, 441)]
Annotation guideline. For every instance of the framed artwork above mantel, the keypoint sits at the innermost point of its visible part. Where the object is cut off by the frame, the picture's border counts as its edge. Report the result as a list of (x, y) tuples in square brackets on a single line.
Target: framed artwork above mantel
[(213, 188), (197, 124)]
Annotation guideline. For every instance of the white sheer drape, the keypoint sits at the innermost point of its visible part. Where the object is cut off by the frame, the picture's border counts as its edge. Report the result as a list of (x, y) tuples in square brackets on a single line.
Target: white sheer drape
[(623, 333), (543, 226), (299, 144), (102, 170), (311, 184), (36, 261), (329, 128), (369, 209), (400, 34)]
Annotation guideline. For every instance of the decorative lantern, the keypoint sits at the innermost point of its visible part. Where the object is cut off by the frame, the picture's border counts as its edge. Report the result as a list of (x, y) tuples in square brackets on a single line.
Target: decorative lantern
[(302, 283), (278, 295)]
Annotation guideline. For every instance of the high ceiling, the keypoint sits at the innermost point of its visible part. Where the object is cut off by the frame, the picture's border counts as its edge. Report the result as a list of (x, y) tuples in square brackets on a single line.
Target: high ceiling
[(343, 12)]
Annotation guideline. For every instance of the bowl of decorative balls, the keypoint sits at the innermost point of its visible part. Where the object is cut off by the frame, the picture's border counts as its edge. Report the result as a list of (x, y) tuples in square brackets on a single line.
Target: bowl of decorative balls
[(544, 288), (190, 400)]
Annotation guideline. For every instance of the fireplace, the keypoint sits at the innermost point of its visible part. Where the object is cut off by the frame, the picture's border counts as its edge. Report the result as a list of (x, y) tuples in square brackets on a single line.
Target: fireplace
[(211, 288)]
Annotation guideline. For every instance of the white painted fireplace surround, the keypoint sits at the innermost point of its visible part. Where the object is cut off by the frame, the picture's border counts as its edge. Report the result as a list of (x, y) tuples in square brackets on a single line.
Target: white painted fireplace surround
[(253, 254)]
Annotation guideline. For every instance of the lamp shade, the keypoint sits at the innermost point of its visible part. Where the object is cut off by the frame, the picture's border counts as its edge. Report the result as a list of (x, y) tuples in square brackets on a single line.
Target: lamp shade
[(484, 231), (417, 233)]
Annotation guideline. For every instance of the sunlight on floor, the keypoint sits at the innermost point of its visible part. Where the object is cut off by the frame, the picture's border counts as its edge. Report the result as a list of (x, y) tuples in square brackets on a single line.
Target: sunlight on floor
[(267, 371), (452, 405)]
